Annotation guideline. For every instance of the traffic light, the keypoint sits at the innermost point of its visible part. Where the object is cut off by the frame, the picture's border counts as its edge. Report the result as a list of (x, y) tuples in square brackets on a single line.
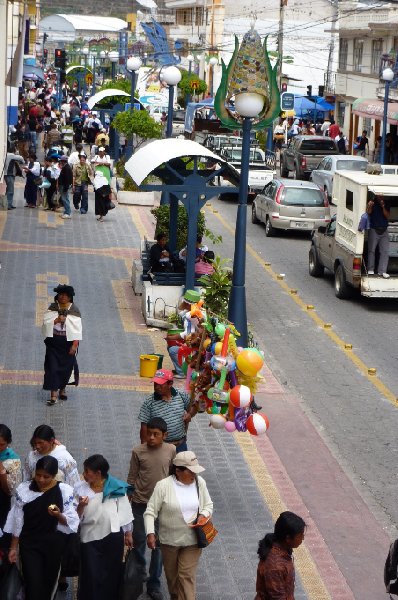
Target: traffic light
[(284, 87), (45, 55), (309, 90), (60, 59), (321, 90)]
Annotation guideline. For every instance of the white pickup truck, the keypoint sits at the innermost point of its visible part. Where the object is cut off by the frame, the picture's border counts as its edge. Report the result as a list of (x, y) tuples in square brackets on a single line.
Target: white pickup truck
[(342, 249), (261, 166)]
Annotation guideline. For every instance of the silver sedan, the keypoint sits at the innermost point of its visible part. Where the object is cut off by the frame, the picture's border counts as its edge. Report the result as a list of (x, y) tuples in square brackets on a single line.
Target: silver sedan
[(324, 172)]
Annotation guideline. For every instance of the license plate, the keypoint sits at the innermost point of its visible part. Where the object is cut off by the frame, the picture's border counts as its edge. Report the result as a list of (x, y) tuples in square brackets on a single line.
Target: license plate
[(300, 224)]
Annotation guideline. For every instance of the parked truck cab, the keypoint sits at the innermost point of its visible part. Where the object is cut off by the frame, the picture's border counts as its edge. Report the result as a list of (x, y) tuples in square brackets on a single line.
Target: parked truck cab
[(342, 249)]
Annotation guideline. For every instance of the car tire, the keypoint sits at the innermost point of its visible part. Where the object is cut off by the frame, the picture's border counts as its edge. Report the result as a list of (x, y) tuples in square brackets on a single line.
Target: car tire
[(269, 230), (341, 287), (284, 170), (315, 268), (255, 219)]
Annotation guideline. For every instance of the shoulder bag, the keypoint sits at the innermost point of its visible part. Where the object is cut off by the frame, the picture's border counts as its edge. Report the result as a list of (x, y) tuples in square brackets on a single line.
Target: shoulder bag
[(206, 533)]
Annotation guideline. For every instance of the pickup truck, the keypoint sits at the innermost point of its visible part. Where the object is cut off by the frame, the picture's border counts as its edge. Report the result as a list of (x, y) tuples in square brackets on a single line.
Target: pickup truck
[(303, 153), (261, 166), (342, 249)]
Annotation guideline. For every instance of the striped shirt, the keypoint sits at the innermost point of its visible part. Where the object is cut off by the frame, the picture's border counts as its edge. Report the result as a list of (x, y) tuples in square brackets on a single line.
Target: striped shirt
[(172, 411)]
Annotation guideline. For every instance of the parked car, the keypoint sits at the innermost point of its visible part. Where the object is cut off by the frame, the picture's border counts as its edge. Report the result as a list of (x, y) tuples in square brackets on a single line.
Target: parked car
[(261, 167), (290, 204), (303, 153), (178, 122), (323, 174)]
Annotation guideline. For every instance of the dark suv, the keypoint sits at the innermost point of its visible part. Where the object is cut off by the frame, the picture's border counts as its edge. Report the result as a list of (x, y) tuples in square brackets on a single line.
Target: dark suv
[(303, 154)]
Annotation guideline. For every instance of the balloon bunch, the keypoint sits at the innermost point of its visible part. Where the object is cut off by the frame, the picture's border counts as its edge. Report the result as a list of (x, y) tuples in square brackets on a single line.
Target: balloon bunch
[(222, 378)]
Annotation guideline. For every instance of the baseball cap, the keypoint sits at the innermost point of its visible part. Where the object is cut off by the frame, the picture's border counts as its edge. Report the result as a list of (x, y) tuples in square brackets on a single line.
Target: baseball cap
[(189, 461), (192, 296), (162, 376), (63, 159)]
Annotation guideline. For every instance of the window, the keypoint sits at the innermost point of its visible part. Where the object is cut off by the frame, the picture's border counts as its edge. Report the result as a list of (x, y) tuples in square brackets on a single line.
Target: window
[(358, 53), (328, 164), (377, 51), (302, 197), (184, 16), (199, 16), (324, 146), (349, 200), (343, 53)]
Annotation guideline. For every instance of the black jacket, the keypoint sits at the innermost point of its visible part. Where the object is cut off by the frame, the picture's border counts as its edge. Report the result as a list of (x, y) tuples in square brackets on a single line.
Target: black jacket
[(66, 177)]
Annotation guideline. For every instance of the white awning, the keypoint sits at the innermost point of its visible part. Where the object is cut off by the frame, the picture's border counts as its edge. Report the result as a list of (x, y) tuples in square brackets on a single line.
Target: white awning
[(76, 67), (151, 156), (105, 94)]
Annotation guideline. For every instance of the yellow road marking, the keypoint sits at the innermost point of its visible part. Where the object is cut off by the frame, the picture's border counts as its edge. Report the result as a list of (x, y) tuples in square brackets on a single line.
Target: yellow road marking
[(136, 218), (344, 346), (309, 574)]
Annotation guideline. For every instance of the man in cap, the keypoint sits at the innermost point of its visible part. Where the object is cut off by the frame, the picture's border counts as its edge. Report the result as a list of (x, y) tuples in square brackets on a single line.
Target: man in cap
[(65, 181), (170, 404), (174, 341), (82, 175)]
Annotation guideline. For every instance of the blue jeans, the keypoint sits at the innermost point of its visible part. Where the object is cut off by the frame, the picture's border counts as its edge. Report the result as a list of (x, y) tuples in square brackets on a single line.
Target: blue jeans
[(10, 181), (139, 537), (33, 140), (173, 353), (81, 195), (65, 199)]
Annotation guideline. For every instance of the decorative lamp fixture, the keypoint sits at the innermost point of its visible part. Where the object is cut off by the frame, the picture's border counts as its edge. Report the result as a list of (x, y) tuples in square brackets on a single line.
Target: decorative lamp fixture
[(249, 104), (86, 50), (171, 75), (213, 61), (250, 73), (190, 58), (388, 74), (113, 56), (133, 63), (102, 54)]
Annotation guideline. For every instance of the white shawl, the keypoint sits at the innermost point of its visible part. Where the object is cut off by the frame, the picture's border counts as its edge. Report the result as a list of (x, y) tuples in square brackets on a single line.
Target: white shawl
[(73, 326)]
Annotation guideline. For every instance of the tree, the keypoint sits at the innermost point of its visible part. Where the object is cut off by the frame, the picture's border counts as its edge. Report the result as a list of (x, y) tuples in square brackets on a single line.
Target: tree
[(191, 84), (137, 126)]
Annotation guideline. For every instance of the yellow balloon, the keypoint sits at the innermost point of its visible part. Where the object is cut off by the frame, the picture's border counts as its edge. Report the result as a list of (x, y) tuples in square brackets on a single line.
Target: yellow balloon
[(218, 348), (249, 362), (206, 343)]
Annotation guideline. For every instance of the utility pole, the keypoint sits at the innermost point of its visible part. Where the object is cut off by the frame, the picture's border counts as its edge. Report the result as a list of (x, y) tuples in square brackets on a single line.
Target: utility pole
[(282, 4), (329, 71)]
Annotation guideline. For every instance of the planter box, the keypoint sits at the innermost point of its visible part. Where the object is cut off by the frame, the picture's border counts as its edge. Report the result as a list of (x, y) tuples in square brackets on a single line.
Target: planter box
[(140, 198)]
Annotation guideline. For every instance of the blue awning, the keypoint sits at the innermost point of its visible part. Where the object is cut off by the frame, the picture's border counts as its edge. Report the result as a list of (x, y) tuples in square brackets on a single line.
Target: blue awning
[(35, 73)]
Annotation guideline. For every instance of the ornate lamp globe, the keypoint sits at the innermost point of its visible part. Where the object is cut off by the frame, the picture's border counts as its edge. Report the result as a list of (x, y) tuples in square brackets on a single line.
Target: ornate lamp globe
[(171, 75), (113, 56), (190, 58), (213, 61), (86, 50), (249, 104), (388, 74), (133, 63)]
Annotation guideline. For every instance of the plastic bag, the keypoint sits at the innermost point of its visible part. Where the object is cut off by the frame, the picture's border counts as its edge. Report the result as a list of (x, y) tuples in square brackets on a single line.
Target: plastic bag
[(11, 587), (134, 574)]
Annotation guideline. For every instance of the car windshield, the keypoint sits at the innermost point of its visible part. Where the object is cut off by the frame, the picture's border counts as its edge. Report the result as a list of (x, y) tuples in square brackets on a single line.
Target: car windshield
[(302, 197), (351, 165), (320, 145), (236, 155)]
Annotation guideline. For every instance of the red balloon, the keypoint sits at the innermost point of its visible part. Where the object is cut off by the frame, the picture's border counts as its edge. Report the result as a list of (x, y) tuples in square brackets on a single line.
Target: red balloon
[(240, 396), (257, 423)]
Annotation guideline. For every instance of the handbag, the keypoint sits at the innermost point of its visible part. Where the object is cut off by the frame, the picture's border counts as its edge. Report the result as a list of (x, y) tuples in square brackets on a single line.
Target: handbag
[(206, 533), (12, 587), (134, 575)]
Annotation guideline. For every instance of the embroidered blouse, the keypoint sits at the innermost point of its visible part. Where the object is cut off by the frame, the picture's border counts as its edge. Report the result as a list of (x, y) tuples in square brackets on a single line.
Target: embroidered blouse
[(24, 495), (67, 466)]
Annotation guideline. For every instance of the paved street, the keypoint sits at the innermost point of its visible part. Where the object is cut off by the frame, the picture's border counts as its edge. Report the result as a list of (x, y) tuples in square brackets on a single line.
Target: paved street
[(328, 455)]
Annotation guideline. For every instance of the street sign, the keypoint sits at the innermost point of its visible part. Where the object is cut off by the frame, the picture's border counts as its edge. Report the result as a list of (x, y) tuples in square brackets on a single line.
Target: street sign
[(287, 101), (89, 78)]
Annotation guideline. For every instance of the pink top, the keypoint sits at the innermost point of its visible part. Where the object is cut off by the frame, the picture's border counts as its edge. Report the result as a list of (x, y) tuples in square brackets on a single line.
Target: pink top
[(203, 268)]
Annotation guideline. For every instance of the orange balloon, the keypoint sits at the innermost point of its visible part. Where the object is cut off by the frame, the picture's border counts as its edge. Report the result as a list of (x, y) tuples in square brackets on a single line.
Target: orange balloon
[(249, 362)]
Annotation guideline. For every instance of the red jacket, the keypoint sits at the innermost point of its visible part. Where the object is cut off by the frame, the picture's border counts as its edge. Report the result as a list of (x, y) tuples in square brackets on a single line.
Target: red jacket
[(275, 576)]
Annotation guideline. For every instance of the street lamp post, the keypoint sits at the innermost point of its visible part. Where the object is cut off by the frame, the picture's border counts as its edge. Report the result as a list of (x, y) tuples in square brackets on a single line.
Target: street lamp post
[(248, 105), (133, 65), (190, 59), (213, 61), (85, 51), (114, 58), (387, 76), (171, 76)]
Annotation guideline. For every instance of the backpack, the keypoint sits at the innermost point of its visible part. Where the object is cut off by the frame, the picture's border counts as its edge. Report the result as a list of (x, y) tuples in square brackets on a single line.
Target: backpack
[(391, 569)]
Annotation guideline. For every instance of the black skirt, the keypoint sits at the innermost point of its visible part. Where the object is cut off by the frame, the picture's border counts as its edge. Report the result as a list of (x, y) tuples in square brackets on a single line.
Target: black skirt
[(102, 200), (59, 364), (101, 568)]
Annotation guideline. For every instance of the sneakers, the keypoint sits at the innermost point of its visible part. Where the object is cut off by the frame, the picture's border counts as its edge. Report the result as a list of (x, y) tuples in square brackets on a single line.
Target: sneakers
[(384, 275), (65, 216), (371, 272), (176, 376), (11, 207)]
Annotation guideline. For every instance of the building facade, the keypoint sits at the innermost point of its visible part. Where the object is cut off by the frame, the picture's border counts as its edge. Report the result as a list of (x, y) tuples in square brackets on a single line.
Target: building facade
[(368, 38)]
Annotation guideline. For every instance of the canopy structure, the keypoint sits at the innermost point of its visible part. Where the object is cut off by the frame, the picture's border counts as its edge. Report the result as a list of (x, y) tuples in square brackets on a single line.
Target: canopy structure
[(307, 107), (70, 70), (67, 28), (374, 109), (151, 156), (191, 110), (32, 72), (105, 94)]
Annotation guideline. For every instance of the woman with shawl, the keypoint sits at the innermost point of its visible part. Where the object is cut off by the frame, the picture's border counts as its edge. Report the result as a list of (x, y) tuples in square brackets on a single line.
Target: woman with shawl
[(10, 478), (62, 330)]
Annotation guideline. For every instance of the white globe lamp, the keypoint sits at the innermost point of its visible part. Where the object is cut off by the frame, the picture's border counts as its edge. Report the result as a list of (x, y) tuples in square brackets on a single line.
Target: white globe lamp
[(213, 61), (190, 58), (171, 75), (388, 74), (133, 63), (113, 56), (249, 104), (86, 50)]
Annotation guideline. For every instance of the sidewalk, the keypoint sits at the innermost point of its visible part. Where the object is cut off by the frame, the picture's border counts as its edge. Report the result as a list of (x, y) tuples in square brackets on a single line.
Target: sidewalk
[(247, 480)]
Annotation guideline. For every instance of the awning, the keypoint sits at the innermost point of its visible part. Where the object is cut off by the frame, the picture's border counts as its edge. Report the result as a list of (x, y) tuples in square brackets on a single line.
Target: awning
[(34, 73), (373, 109)]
